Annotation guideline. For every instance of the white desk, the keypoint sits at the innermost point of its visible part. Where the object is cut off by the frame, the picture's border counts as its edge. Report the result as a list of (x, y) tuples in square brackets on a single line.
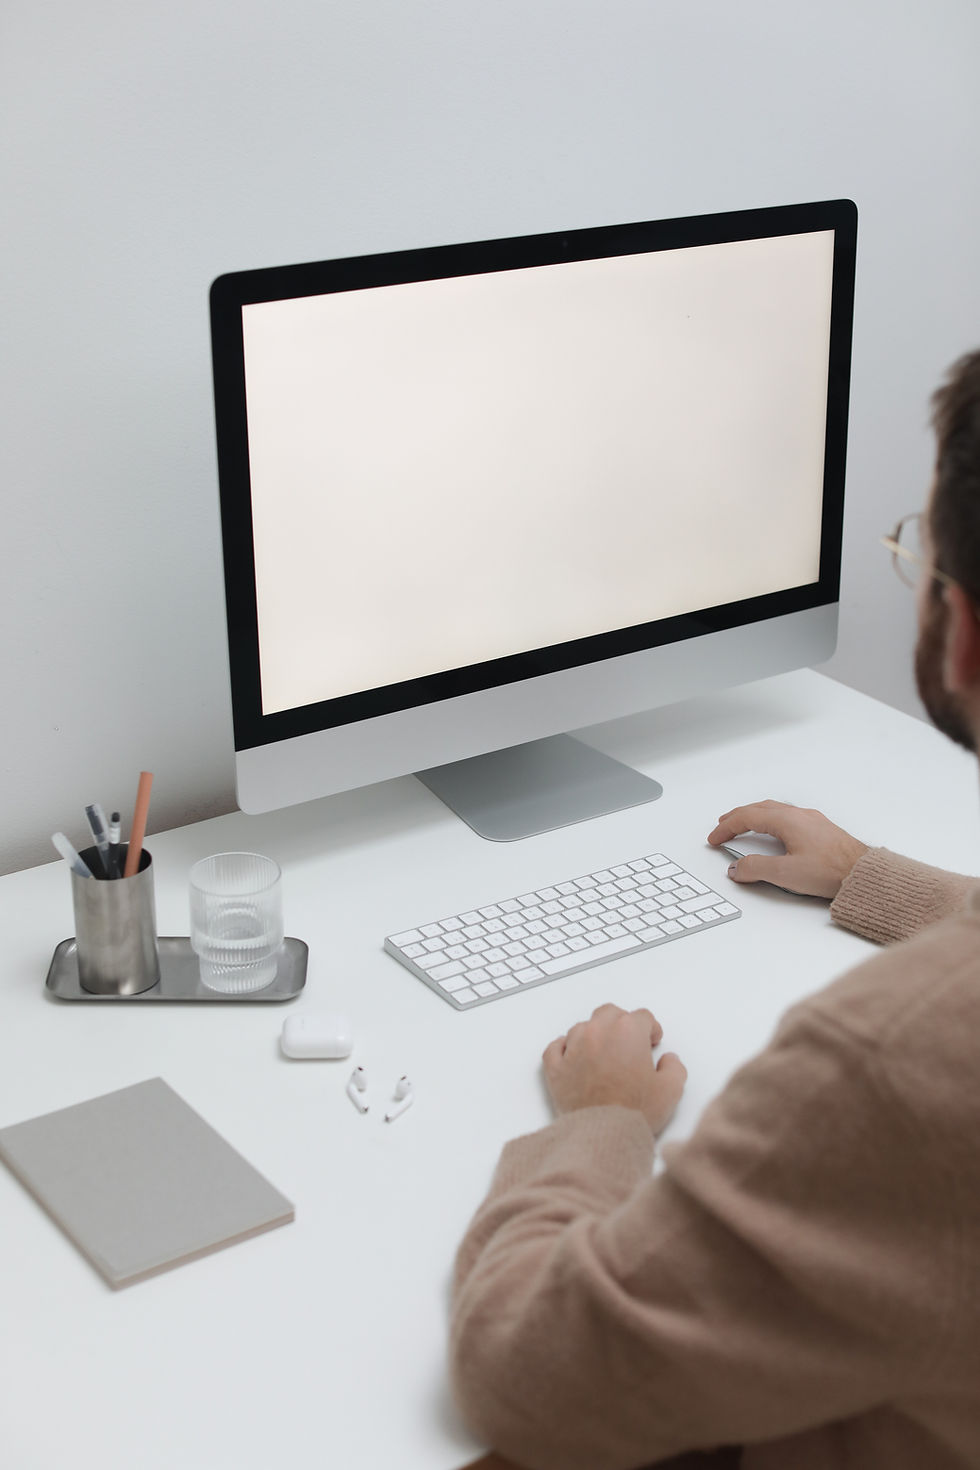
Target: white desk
[(322, 1343)]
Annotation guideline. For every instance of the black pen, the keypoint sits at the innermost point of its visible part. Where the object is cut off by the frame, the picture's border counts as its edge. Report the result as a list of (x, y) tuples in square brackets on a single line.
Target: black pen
[(97, 823), (114, 833)]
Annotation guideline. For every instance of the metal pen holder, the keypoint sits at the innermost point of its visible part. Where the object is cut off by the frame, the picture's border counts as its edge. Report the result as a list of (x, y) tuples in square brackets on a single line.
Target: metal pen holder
[(116, 929)]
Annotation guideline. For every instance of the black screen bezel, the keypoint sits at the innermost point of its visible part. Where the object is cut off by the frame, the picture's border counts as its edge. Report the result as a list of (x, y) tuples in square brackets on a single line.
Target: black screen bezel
[(231, 292)]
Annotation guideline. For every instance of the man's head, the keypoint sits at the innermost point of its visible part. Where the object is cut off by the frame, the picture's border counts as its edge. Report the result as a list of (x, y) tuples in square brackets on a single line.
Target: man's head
[(947, 656)]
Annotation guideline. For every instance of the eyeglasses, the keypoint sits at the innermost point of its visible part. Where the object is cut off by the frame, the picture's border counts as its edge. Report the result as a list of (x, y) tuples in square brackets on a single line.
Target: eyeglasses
[(908, 558)]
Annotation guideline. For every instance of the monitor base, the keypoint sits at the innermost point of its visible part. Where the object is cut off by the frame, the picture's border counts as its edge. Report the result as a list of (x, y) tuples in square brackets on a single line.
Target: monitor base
[(537, 787)]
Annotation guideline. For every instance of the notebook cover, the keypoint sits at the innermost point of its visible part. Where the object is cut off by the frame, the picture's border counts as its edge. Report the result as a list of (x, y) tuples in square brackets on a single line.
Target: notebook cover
[(140, 1182)]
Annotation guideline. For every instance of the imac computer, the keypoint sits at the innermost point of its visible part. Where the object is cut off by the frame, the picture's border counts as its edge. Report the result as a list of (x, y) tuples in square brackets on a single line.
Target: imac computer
[(477, 496)]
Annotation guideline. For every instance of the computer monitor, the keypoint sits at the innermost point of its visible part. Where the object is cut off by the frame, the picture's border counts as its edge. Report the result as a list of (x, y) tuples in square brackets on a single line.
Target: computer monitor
[(479, 495)]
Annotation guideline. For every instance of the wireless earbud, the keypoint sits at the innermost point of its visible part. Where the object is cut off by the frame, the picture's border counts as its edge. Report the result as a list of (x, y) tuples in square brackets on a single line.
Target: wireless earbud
[(356, 1085), (404, 1097)]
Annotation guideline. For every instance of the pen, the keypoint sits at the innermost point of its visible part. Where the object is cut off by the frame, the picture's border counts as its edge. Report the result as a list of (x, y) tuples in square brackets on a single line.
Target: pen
[(138, 830), (97, 824), (70, 855), (114, 845)]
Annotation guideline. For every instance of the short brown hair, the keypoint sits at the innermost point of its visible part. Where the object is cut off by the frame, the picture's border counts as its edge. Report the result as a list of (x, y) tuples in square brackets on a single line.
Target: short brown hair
[(955, 517)]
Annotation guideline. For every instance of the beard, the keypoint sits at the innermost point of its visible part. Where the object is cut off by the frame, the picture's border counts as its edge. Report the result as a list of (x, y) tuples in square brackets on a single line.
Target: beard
[(944, 709)]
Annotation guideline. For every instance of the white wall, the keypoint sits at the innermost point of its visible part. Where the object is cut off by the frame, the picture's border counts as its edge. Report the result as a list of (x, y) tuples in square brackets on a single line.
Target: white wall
[(148, 147)]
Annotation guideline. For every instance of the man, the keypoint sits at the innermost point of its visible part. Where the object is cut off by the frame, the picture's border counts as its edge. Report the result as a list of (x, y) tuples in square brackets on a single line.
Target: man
[(802, 1280)]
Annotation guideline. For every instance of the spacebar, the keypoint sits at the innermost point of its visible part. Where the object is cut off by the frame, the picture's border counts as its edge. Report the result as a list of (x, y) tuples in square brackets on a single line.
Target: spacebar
[(583, 956)]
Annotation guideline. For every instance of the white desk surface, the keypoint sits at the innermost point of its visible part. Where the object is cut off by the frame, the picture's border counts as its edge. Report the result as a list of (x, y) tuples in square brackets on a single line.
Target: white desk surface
[(323, 1342)]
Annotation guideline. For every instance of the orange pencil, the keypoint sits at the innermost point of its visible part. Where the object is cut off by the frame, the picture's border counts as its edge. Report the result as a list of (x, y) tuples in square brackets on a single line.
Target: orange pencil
[(138, 830)]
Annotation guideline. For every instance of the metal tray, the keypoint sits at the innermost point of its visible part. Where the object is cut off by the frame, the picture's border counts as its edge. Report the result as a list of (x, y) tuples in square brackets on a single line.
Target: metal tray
[(180, 977)]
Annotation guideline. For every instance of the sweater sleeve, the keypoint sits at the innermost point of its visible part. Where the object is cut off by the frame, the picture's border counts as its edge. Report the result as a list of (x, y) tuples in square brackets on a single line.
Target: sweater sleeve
[(887, 898), (772, 1278)]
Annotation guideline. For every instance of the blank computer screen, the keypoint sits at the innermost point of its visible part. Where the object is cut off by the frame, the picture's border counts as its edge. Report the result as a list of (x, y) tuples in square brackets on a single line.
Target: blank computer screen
[(451, 471)]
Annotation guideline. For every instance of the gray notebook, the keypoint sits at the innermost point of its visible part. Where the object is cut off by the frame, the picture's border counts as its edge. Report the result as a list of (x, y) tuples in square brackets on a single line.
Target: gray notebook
[(140, 1182)]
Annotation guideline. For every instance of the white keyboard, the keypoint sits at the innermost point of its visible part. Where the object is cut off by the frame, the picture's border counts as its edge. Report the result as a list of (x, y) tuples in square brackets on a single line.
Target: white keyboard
[(509, 946)]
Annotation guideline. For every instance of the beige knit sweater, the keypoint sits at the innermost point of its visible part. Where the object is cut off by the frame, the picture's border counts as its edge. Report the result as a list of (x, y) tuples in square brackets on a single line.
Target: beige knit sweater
[(803, 1278)]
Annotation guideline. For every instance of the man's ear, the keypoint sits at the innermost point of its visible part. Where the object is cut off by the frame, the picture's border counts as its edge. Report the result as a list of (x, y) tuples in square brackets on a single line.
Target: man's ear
[(961, 657)]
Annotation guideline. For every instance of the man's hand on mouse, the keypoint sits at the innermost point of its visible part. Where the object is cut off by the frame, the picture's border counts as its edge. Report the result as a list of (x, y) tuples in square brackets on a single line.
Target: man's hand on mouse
[(818, 855), (606, 1061)]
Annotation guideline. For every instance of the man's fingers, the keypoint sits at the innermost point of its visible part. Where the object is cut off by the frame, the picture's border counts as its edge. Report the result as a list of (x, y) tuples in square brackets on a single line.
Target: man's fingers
[(607, 1009), (553, 1054), (642, 1018), (650, 1025), (672, 1075), (760, 816), (758, 869)]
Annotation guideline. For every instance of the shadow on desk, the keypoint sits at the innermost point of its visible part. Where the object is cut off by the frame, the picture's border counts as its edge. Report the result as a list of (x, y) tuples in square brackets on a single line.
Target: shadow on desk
[(729, 1457)]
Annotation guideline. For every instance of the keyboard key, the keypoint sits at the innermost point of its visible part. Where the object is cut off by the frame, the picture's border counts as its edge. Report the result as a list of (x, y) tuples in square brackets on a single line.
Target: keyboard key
[(464, 997), (691, 905), (689, 921), (411, 936), (429, 931), (610, 947), (529, 973), (726, 908), (443, 972), (455, 982), (486, 987)]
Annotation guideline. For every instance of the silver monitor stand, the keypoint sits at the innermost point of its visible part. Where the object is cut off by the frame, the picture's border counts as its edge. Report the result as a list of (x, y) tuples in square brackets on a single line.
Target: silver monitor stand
[(536, 787)]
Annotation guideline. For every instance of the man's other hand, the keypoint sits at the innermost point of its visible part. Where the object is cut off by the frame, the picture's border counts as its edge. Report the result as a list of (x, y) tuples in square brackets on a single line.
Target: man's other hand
[(606, 1061), (818, 855)]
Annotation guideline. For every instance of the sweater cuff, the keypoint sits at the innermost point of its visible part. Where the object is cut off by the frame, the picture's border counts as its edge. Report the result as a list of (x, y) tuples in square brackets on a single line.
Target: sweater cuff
[(888, 898), (611, 1146)]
